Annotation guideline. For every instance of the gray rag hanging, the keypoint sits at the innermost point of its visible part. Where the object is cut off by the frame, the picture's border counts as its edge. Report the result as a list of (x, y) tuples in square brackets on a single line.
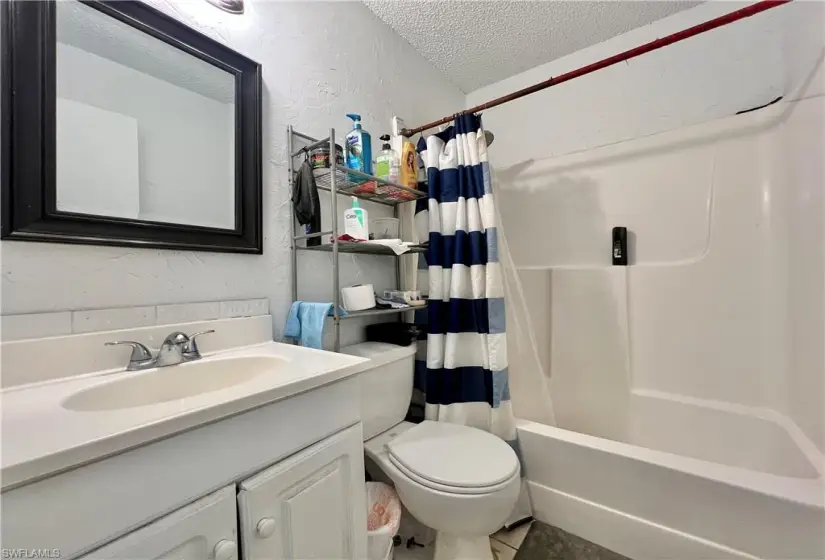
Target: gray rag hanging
[(305, 196)]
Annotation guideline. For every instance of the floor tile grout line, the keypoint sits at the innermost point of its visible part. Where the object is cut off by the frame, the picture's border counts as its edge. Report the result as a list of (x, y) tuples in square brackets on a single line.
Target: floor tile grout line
[(504, 543)]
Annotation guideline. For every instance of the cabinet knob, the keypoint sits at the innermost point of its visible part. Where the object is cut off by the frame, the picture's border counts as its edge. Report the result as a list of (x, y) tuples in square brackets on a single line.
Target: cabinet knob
[(265, 527), (225, 550)]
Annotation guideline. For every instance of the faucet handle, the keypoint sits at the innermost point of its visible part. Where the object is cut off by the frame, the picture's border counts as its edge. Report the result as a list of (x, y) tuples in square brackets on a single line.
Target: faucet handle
[(191, 347), (140, 354), (176, 338)]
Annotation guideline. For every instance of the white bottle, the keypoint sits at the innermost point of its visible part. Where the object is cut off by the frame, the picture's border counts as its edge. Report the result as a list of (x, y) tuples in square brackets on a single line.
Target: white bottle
[(356, 223)]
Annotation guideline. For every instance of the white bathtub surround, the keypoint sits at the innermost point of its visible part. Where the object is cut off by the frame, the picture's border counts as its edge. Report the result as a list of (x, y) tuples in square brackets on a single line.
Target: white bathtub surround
[(689, 388), (758, 439), (645, 503), (697, 438), (683, 320), (694, 377)]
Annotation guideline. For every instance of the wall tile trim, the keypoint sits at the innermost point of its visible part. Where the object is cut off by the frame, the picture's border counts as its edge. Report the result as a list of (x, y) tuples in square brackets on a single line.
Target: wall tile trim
[(35, 325), (41, 325)]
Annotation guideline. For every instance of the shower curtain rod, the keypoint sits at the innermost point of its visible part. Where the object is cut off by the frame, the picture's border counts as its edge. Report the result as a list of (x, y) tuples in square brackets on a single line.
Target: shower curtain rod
[(747, 11)]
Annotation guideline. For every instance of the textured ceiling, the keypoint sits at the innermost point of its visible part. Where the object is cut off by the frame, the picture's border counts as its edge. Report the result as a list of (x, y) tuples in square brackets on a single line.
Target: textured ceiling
[(476, 43)]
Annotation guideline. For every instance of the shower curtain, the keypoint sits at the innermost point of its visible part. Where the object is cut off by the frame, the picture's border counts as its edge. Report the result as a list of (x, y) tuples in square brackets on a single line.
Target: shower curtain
[(465, 381), (462, 371)]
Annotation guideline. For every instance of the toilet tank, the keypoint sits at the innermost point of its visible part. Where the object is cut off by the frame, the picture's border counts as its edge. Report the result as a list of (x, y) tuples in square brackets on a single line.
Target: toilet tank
[(386, 387)]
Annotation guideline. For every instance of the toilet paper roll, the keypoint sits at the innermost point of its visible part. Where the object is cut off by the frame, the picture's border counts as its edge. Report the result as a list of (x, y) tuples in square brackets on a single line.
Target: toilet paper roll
[(358, 298)]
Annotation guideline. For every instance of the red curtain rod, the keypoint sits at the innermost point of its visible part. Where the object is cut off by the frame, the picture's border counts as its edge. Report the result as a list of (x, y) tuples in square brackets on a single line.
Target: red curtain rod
[(748, 11)]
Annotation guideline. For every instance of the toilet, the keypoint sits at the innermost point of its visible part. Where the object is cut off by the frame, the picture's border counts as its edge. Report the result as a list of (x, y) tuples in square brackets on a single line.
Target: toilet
[(462, 482)]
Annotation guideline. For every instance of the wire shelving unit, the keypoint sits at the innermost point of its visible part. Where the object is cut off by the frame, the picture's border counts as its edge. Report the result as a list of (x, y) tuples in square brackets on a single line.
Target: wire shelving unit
[(348, 182)]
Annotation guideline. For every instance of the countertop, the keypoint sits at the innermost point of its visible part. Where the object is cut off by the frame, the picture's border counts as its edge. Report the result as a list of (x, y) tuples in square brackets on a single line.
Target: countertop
[(41, 438)]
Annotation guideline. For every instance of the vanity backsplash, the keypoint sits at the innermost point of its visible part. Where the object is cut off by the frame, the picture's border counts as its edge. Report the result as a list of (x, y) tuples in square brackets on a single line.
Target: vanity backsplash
[(39, 325), (43, 346)]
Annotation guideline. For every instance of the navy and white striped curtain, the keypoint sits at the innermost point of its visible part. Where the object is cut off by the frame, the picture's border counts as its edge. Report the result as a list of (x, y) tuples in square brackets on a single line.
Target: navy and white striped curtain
[(465, 381)]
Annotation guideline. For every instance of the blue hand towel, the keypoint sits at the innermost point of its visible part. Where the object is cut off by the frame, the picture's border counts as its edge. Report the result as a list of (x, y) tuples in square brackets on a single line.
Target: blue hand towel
[(292, 329), (305, 322)]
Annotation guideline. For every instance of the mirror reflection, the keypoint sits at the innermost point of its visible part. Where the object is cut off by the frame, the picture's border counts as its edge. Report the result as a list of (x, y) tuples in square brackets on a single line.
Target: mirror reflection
[(144, 130)]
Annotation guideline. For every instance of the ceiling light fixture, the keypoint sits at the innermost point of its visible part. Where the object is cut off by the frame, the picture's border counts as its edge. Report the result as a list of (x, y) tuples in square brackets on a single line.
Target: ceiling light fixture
[(231, 6)]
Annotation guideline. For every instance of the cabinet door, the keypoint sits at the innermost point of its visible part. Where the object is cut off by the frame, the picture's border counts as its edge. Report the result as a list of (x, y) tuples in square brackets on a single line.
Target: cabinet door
[(206, 529), (309, 506)]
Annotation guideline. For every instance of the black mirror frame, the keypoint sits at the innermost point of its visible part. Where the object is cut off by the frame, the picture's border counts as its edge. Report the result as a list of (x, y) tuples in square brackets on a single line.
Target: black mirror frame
[(29, 208)]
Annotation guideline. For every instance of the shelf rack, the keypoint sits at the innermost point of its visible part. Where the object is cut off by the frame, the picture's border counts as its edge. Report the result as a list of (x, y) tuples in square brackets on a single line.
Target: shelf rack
[(349, 182), (363, 249)]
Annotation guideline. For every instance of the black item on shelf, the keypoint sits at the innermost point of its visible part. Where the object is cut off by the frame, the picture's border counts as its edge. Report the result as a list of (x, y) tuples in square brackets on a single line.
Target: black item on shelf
[(306, 202), (319, 157), (400, 334)]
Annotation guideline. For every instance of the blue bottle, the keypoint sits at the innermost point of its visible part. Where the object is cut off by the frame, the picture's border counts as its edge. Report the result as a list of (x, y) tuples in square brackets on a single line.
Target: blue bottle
[(358, 147)]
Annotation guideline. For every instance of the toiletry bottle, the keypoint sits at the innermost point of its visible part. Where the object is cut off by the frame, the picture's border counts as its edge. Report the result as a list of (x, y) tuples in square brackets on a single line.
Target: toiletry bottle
[(387, 164), (356, 222), (409, 165), (358, 147)]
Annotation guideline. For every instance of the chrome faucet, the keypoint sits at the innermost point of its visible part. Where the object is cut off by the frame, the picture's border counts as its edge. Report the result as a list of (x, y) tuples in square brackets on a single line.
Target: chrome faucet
[(177, 348)]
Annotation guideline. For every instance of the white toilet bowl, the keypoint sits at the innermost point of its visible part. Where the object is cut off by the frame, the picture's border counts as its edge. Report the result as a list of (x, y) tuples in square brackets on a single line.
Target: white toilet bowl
[(460, 481)]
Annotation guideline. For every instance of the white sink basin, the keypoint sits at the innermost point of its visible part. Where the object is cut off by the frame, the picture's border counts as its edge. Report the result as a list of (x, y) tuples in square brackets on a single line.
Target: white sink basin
[(174, 382)]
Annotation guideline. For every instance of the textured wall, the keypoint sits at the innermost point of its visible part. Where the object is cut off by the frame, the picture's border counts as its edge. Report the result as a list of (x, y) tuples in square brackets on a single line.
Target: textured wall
[(320, 61)]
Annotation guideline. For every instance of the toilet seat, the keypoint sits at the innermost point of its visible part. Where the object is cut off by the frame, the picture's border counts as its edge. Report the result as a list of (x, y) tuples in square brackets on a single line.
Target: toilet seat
[(454, 459), (450, 489)]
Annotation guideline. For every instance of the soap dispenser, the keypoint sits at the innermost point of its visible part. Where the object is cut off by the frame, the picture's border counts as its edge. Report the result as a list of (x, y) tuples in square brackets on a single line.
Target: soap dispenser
[(358, 147), (387, 164)]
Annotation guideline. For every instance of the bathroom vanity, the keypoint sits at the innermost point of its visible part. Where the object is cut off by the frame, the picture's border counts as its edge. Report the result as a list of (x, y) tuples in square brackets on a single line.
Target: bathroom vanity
[(270, 466)]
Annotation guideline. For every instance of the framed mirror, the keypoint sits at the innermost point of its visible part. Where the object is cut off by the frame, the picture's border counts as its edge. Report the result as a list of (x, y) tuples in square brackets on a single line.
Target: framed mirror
[(123, 126)]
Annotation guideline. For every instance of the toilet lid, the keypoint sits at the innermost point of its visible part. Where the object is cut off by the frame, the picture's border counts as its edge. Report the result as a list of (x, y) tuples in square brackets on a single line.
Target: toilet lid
[(454, 456)]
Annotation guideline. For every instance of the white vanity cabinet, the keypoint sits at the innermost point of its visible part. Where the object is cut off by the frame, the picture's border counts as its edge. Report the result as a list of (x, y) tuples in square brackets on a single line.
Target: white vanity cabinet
[(205, 529), (159, 501), (309, 506)]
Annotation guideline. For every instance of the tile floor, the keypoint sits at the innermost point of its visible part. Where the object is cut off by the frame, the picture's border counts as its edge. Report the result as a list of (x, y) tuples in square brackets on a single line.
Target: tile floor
[(505, 544), (544, 542)]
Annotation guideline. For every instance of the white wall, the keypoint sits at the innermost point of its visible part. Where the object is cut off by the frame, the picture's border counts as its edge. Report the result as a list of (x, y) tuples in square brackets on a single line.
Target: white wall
[(713, 75), (97, 161), (320, 61), (801, 196), (185, 163), (725, 301)]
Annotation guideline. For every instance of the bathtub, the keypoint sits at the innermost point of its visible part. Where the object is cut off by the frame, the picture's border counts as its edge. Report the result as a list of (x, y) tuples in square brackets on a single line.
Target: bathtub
[(692, 480)]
